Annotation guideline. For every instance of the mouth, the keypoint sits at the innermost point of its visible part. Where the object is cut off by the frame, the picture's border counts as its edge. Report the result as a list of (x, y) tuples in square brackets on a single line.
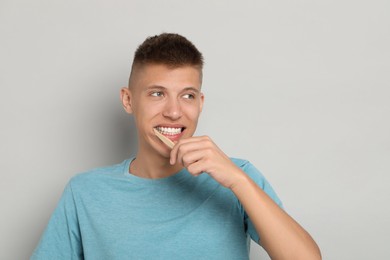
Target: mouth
[(170, 131)]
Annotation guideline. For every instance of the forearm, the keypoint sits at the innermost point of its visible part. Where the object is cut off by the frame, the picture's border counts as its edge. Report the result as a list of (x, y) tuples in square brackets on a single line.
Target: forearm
[(281, 236)]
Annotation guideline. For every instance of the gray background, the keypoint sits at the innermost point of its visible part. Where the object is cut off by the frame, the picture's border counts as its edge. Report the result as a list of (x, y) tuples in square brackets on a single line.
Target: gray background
[(300, 88)]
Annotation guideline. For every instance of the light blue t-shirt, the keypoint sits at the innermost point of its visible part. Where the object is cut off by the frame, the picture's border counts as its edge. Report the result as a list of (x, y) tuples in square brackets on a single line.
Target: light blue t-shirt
[(108, 213)]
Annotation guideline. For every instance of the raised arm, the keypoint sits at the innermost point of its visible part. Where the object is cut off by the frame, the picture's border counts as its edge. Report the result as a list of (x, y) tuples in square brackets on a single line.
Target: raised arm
[(281, 236)]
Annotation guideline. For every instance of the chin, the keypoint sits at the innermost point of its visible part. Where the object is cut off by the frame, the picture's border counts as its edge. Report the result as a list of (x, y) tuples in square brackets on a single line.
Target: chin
[(163, 151)]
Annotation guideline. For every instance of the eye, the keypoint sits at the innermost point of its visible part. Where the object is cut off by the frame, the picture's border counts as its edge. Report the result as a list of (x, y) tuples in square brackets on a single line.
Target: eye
[(188, 96), (157, 94)]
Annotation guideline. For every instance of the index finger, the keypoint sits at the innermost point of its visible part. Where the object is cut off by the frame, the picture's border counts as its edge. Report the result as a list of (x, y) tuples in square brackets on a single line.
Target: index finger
[(175, 149)]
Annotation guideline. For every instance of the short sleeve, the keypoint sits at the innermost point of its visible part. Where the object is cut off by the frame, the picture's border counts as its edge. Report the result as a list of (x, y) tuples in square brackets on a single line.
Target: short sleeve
[(61, 238), (260, 180)]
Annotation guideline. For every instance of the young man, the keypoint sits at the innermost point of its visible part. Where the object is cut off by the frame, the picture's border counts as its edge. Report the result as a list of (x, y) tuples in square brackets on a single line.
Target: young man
[(152, 206)]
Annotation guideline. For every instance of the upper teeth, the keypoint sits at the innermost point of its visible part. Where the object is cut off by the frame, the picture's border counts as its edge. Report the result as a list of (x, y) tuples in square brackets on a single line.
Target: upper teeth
[(169, 130)]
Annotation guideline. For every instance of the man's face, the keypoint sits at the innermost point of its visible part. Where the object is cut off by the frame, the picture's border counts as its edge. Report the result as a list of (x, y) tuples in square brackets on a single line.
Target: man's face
[(166, 99)]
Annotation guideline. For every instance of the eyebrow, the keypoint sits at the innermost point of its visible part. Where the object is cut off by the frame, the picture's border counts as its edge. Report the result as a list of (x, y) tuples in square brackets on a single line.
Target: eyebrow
[(154, 87), (191, 88), (164, 88)]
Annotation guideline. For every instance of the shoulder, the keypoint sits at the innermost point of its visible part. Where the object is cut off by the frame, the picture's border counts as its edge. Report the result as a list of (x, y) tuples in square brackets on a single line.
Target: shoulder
[(239, 162), (257, 177), (247, 167), (98, 175)]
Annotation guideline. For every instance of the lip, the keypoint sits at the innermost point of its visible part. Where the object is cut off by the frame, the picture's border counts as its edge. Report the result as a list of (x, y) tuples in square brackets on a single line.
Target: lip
[(170, 125), (172, 137)]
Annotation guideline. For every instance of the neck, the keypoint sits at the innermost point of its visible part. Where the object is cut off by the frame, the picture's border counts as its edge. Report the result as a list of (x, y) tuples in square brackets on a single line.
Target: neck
[(153, 166)]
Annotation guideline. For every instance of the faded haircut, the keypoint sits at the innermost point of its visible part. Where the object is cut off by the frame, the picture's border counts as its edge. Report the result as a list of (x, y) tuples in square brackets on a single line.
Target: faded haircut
[(170, 49)]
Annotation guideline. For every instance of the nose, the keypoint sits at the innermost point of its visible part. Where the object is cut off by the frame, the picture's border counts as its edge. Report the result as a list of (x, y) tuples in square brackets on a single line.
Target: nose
[(172, 109)]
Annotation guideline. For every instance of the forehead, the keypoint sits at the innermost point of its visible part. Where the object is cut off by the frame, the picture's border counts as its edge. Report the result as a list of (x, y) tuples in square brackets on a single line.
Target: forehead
[(161, 75)]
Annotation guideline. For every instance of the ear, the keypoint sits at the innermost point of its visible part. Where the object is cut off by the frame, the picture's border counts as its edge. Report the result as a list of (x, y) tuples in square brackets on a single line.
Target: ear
[(126, 99), (201, 101)]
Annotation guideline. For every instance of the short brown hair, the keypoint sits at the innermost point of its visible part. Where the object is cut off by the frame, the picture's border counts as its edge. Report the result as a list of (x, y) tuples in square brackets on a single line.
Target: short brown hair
[(170, 49)]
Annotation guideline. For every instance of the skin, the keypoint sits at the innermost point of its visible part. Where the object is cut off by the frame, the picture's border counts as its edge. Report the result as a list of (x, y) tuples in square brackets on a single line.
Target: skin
[(160, 96), (178, 101)]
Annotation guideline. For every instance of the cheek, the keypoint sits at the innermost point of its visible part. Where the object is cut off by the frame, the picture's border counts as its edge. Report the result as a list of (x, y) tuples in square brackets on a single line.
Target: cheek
[(148, 110), (193, 113)]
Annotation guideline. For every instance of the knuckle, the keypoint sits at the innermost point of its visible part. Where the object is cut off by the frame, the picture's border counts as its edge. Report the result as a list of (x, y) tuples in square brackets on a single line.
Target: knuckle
[(183, 148), (185, 158), (209, 151), (191, 169), (205, 138)]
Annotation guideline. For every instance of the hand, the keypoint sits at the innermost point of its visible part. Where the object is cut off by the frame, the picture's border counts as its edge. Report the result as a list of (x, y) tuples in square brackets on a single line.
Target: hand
[(201, 154)]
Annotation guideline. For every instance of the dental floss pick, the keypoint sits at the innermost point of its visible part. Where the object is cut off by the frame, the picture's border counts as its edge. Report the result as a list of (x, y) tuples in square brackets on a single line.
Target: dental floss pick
[(164, 139)]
